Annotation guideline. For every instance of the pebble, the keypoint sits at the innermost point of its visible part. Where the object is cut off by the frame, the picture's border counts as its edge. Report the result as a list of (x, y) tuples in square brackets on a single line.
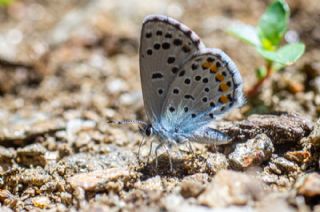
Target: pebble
[(5, 209), (151, 184), (30, 177), (7, 198), (280, 165), (234, 188), (176, 203), (300, 156), (85, 162), (275, 202), (216, 162), (18, 128), (280, 128), (34, 154), (75, 126), (108, 179), (309, 185), (252, 153), (116, 85), (314, 137), (192, 186), (6, 155), (41, 202)]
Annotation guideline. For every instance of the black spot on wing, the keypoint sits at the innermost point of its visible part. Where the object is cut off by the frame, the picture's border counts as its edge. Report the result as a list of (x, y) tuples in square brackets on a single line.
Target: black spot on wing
[(157, 76), (166, 45), (171, 60), (168, 35), (160, 91), (177, 42), (187, 81), (156, 46), (188, 96), (175, 70), (148, 35)]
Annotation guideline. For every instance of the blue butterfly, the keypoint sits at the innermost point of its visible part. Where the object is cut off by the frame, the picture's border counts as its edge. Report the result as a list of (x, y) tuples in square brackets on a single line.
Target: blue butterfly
[(185, 85)]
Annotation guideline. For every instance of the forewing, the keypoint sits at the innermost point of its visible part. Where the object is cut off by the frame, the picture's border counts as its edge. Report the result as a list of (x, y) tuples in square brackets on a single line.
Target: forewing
[(165, 45), (207, 86)]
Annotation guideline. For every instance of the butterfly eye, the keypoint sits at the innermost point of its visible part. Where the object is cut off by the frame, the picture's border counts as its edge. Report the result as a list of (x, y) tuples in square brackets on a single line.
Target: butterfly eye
[(149, 131)]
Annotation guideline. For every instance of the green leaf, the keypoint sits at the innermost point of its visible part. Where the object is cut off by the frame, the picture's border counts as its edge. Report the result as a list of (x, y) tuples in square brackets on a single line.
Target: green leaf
[(246, 33), (277, 66), (285, 55), (273, 24), (5, 2), (261, 72)]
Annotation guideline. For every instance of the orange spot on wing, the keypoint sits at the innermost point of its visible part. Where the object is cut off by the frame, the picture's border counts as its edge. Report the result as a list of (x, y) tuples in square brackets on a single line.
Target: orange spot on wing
[(223, 99), (213, 68), (219, 77), (206, 65), (223, 87)]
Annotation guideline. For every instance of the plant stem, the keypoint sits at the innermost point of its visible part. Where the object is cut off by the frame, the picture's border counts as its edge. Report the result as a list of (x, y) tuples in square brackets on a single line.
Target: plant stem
[(256, 88)]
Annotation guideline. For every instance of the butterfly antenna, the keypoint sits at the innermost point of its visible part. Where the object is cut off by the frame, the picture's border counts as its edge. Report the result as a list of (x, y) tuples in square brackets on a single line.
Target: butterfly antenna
[(128, 122)]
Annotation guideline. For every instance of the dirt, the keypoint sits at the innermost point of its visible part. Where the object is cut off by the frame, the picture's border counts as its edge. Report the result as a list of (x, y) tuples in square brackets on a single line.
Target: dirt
[(69, 67)]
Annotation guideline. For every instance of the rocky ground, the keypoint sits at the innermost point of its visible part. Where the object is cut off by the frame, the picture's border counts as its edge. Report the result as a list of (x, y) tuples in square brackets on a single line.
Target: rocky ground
[(67, 67)]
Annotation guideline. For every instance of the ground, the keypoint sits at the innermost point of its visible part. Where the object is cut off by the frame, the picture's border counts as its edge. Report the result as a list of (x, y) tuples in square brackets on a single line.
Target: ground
[(68, 67)]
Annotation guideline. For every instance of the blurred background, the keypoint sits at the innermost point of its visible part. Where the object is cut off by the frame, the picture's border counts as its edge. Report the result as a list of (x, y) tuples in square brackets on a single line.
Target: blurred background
[(52, 48), (68, 66)]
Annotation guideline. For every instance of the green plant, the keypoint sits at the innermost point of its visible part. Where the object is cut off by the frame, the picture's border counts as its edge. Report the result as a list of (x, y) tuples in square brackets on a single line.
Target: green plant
[(266, 37), (5, 2)]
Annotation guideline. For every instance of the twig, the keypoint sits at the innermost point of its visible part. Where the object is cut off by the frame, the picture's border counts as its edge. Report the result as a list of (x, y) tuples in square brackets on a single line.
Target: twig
[(256, 88)]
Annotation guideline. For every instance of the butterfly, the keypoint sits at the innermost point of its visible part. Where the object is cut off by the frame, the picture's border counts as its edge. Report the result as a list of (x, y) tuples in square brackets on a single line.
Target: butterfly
[(185, 85)]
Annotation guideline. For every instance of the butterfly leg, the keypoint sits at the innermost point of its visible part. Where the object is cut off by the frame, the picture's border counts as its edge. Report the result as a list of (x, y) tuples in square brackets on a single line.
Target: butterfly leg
[(169, 156), (150, 150), (190, 147), (141, 143), (156, 153)]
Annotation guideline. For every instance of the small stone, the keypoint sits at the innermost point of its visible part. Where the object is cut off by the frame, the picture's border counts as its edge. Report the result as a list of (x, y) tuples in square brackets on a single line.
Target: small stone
[(299, 157), (116, 85), (41, 202), (193, 185), (7, 198), (109, 179), (151, 184), (312, 70), (66, 198), (33, 154), (6, 156), (309, 185), (75, 126), (280, 128), (31, 178), (5, 209), (284, 166), (295, 87), (131, 98), (176, 203), (16, 129), (252, 153), (316, 85), (314, 137), (83, 162), (275, 201), (36, 176), (216, 162), (232, 188)]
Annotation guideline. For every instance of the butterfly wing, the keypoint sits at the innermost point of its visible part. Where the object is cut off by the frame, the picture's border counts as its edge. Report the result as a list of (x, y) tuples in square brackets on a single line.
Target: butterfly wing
[(165, 45), (207, 86)]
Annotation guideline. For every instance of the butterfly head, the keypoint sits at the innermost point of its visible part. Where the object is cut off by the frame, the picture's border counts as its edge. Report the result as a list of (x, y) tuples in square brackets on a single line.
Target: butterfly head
[(146, 130)]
